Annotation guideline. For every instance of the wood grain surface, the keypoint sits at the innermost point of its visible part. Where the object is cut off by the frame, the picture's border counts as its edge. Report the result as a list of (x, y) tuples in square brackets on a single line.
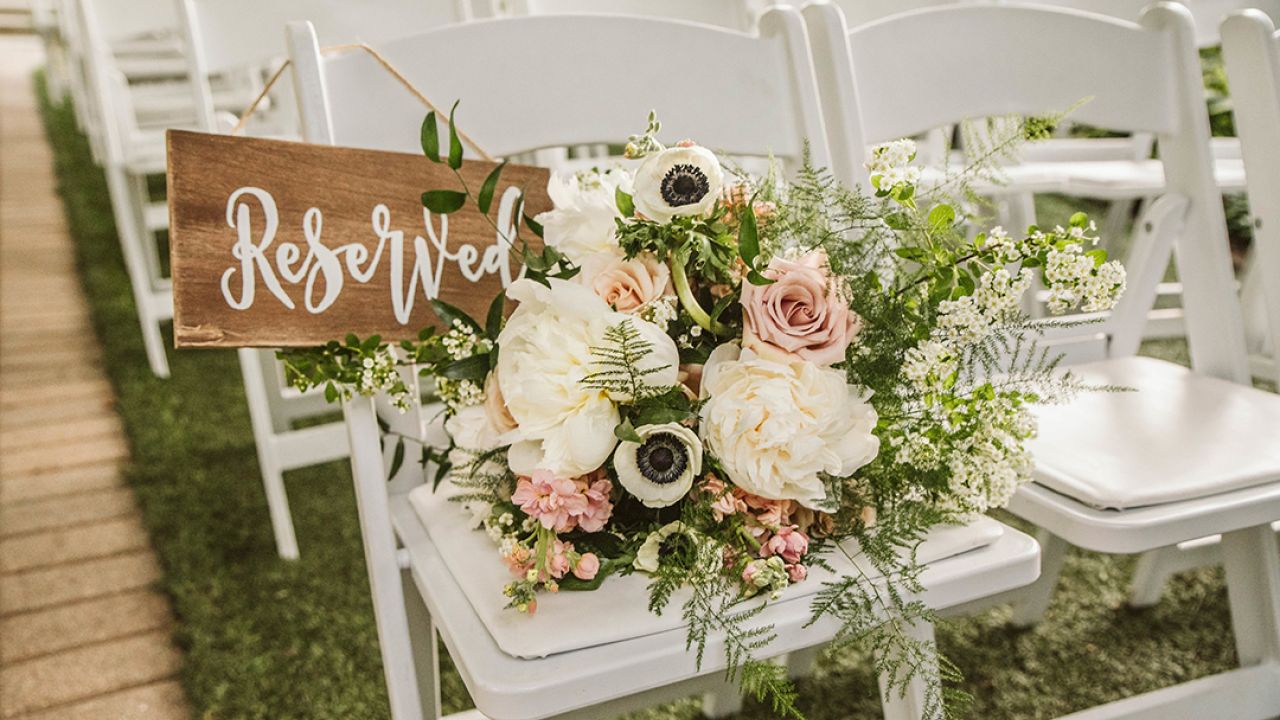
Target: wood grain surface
[(344, 216)]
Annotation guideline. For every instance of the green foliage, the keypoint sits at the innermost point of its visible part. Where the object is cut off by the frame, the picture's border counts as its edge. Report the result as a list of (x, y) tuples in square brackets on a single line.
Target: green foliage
[(618, 362)]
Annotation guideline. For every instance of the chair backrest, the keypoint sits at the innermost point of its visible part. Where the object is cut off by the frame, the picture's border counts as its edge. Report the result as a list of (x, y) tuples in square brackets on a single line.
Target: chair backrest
[(93, 25), (121, 20), (228, 35), (522, 87), (1207, 14), (1251, 47), (733, 14), (954, 63)]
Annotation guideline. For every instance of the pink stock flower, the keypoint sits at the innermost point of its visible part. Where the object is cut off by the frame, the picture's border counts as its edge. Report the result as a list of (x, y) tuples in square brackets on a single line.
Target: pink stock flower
[(788, 543), (803, 315), (771, 514), (797, 572), (587, 567), (749, 573), (518, 560), (597, 489), (558, 558), (725, 502), (562, 504)]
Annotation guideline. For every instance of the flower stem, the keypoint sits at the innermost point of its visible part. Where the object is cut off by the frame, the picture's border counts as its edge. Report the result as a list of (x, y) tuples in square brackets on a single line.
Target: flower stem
[(690, 303)]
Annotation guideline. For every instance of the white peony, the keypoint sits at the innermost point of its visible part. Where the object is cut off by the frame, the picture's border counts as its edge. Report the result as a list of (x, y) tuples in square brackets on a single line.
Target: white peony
[(586, 209), (775, 427), (660, 469), (677, 181), (562, 425), (473, 435)]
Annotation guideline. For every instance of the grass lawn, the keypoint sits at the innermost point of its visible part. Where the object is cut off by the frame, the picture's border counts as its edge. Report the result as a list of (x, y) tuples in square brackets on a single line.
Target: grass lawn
[(271, 639)]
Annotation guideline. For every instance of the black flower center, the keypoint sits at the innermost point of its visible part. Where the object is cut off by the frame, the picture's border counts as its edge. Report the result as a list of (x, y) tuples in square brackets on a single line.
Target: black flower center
[(684, 184), (662, 458)]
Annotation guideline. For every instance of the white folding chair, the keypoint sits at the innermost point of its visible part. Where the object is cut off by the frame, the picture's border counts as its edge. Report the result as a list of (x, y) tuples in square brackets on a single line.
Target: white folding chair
[(744, 94), (219, 42), (1190, 453), (732, 14)]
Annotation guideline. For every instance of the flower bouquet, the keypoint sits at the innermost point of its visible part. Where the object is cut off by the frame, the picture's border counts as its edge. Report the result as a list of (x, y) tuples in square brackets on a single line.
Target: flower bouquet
[(715, 379)]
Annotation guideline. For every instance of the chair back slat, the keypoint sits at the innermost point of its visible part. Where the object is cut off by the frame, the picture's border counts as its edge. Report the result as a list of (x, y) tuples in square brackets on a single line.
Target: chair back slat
[(733, 14), (1139, 77), (522, 87), (1251, 47), (1207, 14)]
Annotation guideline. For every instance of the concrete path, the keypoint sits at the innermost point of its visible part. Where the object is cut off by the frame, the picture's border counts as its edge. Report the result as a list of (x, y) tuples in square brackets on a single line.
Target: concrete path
[(83, 636)]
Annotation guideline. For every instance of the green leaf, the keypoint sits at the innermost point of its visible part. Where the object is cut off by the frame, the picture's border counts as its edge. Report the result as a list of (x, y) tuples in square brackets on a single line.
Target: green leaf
[(758, 279), (626, 432), (1078, 220), (330, 392), (493, 322), (941, 216), (625, 204), (608, 566), (443, 202), (916, 254), (898, 221), (455, 145), (659, 415), (431, 138), (485, 199), (534, 226), (449, 313), (1099, 256), (748, 235), (474, 368), (397, 459)]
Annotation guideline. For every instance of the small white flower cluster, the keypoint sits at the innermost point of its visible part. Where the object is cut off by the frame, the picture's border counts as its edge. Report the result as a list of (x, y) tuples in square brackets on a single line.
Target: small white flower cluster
[(379, 374), (661, 311), (501, 529), (990, 464), (997, 300), (929, 365), (998, 241), (1075, 279), (461, 342), (890, 164), (458, 394)]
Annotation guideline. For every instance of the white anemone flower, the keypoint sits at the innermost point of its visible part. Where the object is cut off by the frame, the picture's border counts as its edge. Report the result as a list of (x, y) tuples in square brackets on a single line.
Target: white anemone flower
[(659, 470), (677, 181)]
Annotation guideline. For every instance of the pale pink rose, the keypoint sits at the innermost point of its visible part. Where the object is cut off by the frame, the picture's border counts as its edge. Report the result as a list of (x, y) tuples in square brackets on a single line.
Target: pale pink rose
[(797, 572), (803, 315), (788, 543), (587, 567), (554, 502), (495, 408), (690, 377), (627, 285)]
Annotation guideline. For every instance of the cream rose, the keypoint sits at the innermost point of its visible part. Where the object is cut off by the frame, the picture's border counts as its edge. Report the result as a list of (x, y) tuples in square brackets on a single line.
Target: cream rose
[(677, 181), (495, 406), (562, 425), (626, 285), (586, 209), (803, 315), (775, 427)]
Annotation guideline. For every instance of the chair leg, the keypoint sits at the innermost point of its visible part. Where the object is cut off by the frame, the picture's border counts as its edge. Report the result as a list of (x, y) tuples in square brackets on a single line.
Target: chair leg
[(426, 651), (264, 440), (153, 343), (722, 702), (1149, 578), (800, 662), (1031, 604), (912, 702), (1252, 561)]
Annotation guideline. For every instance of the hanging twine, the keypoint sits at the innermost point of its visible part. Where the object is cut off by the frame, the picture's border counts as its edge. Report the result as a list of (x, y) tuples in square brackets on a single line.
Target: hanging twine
[(386, 65)]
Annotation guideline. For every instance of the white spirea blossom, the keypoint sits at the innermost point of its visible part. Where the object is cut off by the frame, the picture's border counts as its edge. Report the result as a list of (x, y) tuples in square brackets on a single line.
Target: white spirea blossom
[(583, 221), (988, 466), (890, 164), (563, 425), (777, 428)]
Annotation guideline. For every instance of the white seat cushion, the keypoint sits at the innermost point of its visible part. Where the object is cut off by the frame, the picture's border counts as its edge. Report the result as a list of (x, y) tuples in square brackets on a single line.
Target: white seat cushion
[(473, 561), (1181, 436)]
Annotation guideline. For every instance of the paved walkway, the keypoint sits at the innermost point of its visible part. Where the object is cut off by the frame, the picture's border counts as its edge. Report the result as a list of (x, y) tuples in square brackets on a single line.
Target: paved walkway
[(82, 634)]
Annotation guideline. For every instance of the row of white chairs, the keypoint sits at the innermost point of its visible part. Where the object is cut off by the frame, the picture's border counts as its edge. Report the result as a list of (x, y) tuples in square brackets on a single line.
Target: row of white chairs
[(1191, 454)]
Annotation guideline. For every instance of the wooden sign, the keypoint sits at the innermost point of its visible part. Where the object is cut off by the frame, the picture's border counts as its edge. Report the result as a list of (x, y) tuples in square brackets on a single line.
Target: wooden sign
[(283, 244)]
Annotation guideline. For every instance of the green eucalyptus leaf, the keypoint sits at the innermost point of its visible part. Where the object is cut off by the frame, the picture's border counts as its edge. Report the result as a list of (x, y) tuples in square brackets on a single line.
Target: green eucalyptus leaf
[(431, 138), (474, 368), (534, 226), (397, 459), (485, 198), (493, 322), (455, 145), (748, 235), (449, 313), (443, 202), (625, 204)]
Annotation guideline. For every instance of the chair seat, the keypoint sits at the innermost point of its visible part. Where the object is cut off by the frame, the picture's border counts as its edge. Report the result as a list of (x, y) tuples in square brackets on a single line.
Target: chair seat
[(1181, 436), (506, 687)]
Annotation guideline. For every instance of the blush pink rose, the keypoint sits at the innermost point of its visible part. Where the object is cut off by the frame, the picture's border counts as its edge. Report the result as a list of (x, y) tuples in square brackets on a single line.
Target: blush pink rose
[(627, 285), (803, 315), (587, 567), (797, 572)]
